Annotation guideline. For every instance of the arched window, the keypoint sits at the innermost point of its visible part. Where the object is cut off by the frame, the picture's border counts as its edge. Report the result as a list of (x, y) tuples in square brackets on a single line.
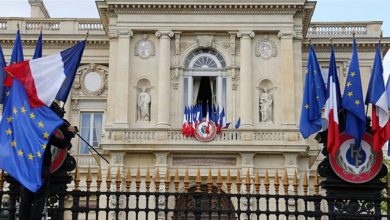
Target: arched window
[(205, 78)]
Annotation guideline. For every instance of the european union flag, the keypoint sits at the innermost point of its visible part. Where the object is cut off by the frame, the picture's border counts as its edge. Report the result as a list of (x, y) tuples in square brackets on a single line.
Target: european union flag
[(352, 102), (38, 47), (24, 134), (2, 74), (314, 97)]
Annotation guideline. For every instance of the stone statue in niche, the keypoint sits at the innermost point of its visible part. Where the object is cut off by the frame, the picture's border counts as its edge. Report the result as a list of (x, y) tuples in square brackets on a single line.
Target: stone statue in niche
[(265, 104), (143, 102)]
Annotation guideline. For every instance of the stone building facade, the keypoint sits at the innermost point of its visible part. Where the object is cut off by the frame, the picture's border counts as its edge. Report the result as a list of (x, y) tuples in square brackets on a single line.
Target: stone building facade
[(146, 60)]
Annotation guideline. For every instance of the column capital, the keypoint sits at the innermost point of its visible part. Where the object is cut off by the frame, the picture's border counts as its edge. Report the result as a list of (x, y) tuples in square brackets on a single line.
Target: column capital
[(245, 34), (164, 34), (125, 33), (286, 34)]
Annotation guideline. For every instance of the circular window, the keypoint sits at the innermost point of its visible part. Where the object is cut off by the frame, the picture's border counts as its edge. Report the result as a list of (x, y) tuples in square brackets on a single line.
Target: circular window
[(93, 81)]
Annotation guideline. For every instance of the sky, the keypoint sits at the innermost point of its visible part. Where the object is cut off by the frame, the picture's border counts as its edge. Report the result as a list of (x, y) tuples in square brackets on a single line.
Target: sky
[(326, 10)]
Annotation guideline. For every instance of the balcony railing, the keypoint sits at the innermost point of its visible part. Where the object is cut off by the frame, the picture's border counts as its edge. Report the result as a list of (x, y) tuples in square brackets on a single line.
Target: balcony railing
[(51, 25), (227, 137), (343, 29)]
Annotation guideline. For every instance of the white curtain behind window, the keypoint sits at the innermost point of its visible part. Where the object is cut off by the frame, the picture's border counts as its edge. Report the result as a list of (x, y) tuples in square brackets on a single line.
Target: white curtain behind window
[(196, 89), (97, 129), (85, 128)]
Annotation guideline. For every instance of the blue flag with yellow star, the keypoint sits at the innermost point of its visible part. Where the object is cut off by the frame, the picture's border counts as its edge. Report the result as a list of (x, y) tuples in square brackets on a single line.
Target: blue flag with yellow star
[(314, 97), (352, 102), (24, 134)]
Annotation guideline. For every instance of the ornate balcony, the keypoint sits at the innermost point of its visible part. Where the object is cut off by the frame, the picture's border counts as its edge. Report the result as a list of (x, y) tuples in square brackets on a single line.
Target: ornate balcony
[(344, 29)]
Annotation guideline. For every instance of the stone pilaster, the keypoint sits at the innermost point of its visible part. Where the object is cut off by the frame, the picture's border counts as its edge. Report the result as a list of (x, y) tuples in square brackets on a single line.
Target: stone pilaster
[(287, 76), (246, 80), (122, 79), (164, 79)]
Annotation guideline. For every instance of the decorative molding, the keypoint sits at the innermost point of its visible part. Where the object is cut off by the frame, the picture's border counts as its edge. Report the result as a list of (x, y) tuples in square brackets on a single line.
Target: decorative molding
[(81, 75), (164, 34), (175, 77), (144, 48), (113, 34), (291, 159), (246, 34), (58, 44), (75, 104), (286, 34), (177, 43), (247, 158), (161, 158), (125, 33), (117, 158), (233, 43)]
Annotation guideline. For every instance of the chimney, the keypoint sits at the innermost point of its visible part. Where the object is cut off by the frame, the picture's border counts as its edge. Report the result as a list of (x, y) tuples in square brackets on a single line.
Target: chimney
[(38, 9)]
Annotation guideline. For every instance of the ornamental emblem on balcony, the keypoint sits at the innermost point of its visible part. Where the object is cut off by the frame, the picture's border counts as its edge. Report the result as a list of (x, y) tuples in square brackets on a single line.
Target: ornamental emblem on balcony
[(205, 131), (265, 48), (356, 165)]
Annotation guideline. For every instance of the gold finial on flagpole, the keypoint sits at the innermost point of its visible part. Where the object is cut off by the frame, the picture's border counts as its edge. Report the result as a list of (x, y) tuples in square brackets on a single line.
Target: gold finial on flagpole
[(86, 35), (353, 33)]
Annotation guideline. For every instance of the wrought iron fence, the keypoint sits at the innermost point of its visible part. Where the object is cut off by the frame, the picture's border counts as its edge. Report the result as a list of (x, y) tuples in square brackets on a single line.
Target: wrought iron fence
[(183, 197)]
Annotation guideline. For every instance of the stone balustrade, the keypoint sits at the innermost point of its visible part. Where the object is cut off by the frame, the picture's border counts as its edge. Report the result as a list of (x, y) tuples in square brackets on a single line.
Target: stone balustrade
[(227, 137), (343, 29), (51, 26)]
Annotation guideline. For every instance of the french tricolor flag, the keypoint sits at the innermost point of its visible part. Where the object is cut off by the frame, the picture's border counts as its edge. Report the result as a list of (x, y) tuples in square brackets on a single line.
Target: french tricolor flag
[(331, 106), (377, 96), (48, 77)]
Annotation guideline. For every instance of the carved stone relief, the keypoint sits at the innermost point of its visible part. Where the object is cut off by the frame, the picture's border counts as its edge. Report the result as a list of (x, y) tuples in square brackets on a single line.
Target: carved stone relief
[(175, 78), (144, 48), (92, 79), (205, 41), (265, 48)]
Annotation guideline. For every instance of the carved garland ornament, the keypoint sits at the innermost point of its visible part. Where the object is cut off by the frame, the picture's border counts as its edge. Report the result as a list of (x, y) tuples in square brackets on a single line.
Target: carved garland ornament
[(265, 48), (144, 48), (93, 79)]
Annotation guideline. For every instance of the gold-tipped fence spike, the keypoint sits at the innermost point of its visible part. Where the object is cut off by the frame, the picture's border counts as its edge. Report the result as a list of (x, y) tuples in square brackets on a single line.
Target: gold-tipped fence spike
[(276, 182), (295, 183), (128, 180), (257, 182), (167, 181), (266, 182), (228, 181), (305, 183), (89, 178), (248, 181), (138, 179), (108, 179), (157, 180), (238, 181), (99, 179), (118, 179), (176, 180), (198, 181), (209, 182), (285, 183), (219, 181), (147, 180), (76, 179), (186, 180), (1, 180), (316, 183)]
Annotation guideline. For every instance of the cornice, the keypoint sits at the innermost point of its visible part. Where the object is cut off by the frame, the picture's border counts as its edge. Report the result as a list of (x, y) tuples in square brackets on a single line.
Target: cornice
[(58, 44)]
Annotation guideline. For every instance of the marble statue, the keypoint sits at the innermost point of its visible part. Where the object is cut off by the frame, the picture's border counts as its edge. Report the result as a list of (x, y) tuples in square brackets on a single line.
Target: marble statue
[(265, 104), (143, 103)]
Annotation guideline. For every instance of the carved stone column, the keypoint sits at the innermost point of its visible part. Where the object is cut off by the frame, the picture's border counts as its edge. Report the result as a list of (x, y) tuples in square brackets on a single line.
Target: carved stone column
[(164, 79), (287, 77), (122, 79), (246, 80)]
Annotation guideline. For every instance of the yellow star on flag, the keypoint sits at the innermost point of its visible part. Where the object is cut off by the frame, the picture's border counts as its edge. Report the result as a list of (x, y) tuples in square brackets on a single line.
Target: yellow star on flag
[(8, 131), (46, 135), (39, 154), (32, 115), (307, 106), (30, 157), (10, 119), (15, 111), (350, 94), (357, 102), (7, 93), (22, 109), (44, 146), (13, 143), (353, 74), (20, 152), (40, 124), (349, 84)]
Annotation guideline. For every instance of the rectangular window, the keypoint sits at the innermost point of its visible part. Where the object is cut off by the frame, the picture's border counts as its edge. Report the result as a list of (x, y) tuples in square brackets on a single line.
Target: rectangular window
[(91, 126)]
